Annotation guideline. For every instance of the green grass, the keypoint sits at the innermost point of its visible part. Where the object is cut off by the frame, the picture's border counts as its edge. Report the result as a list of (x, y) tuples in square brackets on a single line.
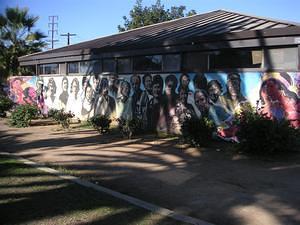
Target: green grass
[(29, 196)]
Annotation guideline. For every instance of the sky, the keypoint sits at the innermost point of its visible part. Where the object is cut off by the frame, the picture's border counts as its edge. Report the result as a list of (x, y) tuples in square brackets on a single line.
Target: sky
[(90, 19)]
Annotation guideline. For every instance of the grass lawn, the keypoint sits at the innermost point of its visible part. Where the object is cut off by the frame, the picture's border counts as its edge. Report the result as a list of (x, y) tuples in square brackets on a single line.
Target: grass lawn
[(30, 196)]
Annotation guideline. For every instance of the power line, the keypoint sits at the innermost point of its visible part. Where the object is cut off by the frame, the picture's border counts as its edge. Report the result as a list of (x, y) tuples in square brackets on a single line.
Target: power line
[(68, 35), (53, 25)]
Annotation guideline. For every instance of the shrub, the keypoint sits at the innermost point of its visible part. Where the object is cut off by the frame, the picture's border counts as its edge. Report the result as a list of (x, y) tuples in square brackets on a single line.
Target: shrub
[(62, 117), (198, 132), (52, 113), (100, 123), (5, 105), (129, 127), (261, 135), (23, 114)]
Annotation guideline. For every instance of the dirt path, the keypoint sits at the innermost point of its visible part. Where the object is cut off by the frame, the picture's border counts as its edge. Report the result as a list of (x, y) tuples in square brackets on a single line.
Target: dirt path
[(211, 184)]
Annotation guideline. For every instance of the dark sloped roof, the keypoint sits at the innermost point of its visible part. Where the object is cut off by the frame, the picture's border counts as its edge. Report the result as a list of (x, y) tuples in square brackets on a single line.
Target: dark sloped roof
[(197, 26)]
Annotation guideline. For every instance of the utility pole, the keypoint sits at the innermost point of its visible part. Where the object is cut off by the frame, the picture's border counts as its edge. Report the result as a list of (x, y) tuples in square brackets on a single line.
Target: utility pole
[(52, 25), (68, 35)]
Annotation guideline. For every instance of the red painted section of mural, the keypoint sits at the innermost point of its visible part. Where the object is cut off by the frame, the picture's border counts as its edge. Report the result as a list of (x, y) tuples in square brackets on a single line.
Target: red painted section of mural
[(22, 90)]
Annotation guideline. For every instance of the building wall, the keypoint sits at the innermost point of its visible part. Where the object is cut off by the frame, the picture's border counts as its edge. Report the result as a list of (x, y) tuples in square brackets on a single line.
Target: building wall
[(161, 100)]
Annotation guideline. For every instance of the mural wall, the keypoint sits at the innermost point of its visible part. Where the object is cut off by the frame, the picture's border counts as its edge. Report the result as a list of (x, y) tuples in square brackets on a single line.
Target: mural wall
[(163, 101)]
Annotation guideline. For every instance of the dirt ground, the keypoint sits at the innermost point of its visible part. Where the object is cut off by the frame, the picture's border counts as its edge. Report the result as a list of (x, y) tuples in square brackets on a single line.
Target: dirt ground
[(212, 184)]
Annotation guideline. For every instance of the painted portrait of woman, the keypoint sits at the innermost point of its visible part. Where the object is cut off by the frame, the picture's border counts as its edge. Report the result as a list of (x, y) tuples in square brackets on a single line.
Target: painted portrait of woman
[(16, 90), (278, 101), (88, 102), (50, 97), (169, 99), (74, 102), (64, 96), (30, 96)]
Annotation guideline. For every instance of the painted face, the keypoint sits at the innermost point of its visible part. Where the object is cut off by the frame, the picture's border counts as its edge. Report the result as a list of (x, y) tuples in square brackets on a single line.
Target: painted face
[(148, 83), (200, 100), (125, 90), (112, 81), (89, 93), (84, 82), (16, 84), (104, 84), (135, 82), (156, 90), (272, 90), (169, 87), (185, 81), (214, 92), (74, 87), (51, 88), (264, 96), (214, 89), (233, 87), (96, 81), (297, 83), (65, 85), (32, 93)]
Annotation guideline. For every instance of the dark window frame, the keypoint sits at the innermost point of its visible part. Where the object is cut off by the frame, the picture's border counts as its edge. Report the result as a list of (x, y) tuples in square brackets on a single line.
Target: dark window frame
[(115, 65), (149, 71), (68, 68), (93, 61), (131, 65), (184, 64), (297, 66), (164, 63), (42, 66), (232, 67)]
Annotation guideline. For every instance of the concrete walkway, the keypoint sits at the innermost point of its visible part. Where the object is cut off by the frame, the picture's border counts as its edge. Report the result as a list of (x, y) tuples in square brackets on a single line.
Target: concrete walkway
[(214, 185)]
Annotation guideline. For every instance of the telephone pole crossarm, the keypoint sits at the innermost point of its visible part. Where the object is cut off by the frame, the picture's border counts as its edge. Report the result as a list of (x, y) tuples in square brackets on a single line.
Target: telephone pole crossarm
[(68, 35)]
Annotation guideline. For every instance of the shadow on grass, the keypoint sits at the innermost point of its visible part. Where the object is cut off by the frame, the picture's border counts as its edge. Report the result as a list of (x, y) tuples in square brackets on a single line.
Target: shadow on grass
[(39, 198)]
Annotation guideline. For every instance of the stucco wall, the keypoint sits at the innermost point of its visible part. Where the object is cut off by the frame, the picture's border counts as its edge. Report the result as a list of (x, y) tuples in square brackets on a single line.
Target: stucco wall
[(162, 101)]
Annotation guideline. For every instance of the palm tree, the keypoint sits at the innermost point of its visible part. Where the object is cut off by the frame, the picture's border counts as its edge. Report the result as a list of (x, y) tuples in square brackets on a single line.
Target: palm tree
[(17, 38)]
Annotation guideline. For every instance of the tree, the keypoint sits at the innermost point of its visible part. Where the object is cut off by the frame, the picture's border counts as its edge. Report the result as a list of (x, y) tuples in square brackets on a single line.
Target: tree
[(142, 16), (17, 38)]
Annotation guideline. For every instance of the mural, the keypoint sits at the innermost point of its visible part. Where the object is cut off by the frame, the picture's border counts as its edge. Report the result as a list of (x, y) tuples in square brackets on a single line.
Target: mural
[(164, 101)]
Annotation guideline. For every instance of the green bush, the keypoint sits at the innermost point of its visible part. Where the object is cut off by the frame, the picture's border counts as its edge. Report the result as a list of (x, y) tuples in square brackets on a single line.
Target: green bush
[(62, 117), (23, 114), (52, 113), (198, 132), (5, 105), (100, 123), (261, 135), (129, 127)]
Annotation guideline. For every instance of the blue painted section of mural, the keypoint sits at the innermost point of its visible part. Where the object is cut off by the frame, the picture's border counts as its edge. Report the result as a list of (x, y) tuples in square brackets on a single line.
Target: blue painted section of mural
[(164, 101)]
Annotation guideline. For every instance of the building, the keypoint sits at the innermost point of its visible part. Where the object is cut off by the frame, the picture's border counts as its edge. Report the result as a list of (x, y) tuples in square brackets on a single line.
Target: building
[(211, 64)]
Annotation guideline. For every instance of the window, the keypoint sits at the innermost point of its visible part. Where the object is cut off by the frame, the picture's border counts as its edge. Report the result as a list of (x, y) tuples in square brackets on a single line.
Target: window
[(109, 65), (148, 63), (28, 70), (232, 58), (282, 58), (195, 62), (171, 63), (124, 65), (48, 68), (90, 67), (73, 67)]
